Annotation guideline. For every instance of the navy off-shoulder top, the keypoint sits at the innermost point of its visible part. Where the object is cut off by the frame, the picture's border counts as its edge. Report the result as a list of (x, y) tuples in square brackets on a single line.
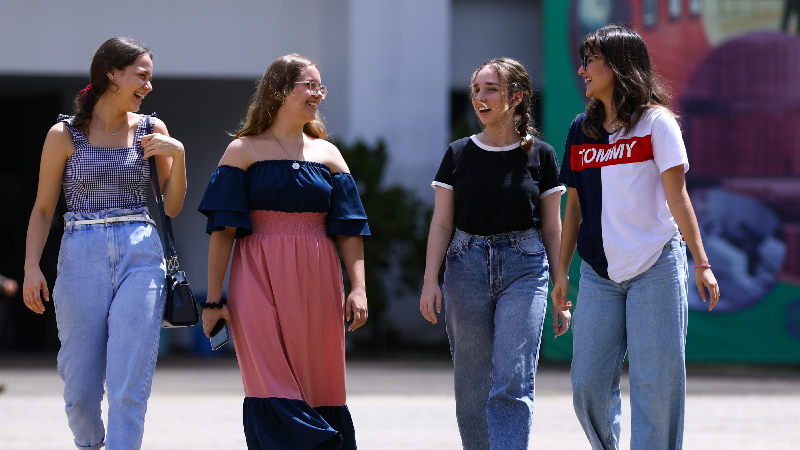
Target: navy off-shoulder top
[(274, 185)]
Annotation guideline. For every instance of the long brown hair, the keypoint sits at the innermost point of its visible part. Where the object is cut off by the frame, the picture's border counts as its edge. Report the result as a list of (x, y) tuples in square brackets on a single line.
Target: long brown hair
[(514, 78), (114, 54), (274, 87), (636, 86)]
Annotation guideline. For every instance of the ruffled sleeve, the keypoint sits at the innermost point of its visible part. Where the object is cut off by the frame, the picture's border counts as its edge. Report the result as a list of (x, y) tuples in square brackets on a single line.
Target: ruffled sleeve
[(225, 201), (347, 216), (78, 136)]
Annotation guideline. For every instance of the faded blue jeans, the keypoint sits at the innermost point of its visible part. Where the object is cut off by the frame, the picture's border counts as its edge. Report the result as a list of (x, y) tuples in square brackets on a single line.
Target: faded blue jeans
[(647, 317), (495, 293), (109, 299)]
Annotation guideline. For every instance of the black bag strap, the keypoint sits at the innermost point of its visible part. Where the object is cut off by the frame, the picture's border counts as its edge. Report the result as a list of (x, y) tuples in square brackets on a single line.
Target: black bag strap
[(166, 223)]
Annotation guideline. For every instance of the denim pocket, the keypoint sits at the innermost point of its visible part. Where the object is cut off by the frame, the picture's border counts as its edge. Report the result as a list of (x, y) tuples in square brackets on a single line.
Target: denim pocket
[(62, 252), (529, 246), (456, 248), (155, 238)]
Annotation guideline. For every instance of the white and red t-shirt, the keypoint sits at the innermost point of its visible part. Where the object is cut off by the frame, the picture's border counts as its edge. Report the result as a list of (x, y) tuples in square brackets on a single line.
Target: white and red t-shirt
[(626, 221)]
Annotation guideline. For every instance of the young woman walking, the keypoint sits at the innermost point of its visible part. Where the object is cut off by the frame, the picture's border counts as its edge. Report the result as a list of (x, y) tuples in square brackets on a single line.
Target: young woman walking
[(282, 193), (109, 293), (624, 164), (500, 190)]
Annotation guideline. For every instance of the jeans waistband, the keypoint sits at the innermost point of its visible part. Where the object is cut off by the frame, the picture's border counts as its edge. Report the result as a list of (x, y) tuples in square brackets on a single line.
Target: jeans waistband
[(509, 237), (71, 217)]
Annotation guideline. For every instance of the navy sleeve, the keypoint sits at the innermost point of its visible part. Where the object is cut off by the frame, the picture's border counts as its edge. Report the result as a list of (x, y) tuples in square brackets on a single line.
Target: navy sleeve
[(225, 201), (566, 168), (549, 164), (347, 216)]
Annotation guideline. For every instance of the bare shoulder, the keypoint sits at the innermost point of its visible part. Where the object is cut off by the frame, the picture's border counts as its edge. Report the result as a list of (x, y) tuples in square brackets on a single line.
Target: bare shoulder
[(159, 126), (58, 142), (238, 154), (328, 154)]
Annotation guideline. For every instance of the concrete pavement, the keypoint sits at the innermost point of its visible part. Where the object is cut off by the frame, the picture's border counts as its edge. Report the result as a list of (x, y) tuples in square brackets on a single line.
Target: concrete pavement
[(196, 404)]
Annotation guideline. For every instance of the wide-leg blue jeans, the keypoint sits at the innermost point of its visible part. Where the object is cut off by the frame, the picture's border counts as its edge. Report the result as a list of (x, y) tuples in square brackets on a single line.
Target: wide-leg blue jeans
[(109, 299), (495, 293), (647, 317)]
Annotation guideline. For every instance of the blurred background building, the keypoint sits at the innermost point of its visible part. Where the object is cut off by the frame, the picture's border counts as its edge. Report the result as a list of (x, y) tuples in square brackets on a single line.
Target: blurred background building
[(398, 73)]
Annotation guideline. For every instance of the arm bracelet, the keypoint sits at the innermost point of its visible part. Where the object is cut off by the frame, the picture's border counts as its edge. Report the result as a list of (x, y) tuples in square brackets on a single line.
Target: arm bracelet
[(218, 305)]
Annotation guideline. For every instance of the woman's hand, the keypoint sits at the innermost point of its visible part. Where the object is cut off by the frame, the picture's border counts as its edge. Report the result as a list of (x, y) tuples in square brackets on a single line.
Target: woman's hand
[(559, 294), (162, 145), (356, 308), (704, 278), (561, 320), (211, 316), (431, 298), (33, 287)]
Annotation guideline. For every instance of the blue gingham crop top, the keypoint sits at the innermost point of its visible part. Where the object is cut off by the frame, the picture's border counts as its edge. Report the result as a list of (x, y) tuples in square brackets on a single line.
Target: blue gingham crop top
[(98, 178)]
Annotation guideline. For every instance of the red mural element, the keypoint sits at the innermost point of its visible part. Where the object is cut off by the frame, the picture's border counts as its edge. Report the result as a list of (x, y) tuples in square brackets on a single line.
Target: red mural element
[(742, 126), (742, 108), (676, 45)]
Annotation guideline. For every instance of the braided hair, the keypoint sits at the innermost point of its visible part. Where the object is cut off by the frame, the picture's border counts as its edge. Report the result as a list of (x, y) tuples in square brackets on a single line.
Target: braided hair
[(513, 79)]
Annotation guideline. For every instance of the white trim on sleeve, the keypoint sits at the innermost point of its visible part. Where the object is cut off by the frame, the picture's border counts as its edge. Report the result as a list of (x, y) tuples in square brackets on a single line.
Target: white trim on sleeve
[(437, 183), (560, 188)]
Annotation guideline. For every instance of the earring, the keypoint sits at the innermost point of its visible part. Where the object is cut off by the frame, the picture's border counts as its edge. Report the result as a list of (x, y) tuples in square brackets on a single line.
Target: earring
[(112, 78)]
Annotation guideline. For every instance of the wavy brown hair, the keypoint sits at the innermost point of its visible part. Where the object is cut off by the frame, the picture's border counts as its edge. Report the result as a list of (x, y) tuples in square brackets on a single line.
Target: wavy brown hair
[(514, 78), (114, 54), (271, 92), (636, 86)]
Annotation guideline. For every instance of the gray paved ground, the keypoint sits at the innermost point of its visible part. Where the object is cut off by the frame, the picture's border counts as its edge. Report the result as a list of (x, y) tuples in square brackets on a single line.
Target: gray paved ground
[(398, 405)]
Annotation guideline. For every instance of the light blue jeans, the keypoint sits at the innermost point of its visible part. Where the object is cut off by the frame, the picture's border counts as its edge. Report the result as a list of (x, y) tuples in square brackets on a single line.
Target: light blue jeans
[(495, 292), (109, 299), (647, 317)]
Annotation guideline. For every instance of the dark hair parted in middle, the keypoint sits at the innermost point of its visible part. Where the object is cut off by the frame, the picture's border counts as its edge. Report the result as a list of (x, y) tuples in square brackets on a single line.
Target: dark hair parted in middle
[(514, 78), (274, 87), (636, 87)]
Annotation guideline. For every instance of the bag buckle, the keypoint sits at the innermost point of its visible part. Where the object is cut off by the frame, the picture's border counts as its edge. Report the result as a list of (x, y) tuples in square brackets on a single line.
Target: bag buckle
[(172, 264)]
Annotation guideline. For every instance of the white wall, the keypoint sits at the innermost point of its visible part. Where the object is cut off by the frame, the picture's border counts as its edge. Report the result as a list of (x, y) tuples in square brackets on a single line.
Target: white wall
[(232, 38), (399, 59)]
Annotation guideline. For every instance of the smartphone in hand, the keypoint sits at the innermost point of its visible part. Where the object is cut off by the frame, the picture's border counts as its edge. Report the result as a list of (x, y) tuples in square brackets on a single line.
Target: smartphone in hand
[(220, 334)]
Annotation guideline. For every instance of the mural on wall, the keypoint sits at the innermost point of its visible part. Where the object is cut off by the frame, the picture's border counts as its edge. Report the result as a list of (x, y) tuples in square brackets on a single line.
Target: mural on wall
[(732, 66)]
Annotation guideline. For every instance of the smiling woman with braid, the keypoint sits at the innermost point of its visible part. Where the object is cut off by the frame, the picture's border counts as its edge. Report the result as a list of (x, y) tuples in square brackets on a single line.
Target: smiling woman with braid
[(500, 190)]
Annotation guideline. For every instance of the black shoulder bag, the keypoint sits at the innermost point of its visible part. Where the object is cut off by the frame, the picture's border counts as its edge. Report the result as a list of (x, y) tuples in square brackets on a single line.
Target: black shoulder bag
[(181, 308)]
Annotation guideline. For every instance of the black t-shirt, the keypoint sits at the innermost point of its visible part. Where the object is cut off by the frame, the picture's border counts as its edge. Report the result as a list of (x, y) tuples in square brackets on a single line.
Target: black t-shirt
[(497, 189)]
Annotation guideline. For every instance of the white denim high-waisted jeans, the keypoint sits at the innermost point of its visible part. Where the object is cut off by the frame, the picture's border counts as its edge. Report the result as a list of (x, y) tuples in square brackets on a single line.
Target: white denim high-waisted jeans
[(109, 300)]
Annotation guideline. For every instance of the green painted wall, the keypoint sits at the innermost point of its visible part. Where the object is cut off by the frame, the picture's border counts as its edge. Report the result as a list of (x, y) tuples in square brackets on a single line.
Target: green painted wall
[(758, 334)]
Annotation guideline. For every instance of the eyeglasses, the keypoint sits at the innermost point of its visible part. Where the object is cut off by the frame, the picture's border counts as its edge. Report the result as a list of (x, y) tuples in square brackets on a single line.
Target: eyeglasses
[(586, 56), (315, 87)]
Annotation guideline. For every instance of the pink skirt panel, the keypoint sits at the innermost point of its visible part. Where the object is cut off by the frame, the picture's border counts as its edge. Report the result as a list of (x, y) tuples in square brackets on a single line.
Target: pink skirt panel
[(286, 301)]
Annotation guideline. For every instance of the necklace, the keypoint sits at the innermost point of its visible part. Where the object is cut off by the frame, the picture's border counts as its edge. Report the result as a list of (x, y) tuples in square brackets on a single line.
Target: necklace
[(295, 164), (113, 133)]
